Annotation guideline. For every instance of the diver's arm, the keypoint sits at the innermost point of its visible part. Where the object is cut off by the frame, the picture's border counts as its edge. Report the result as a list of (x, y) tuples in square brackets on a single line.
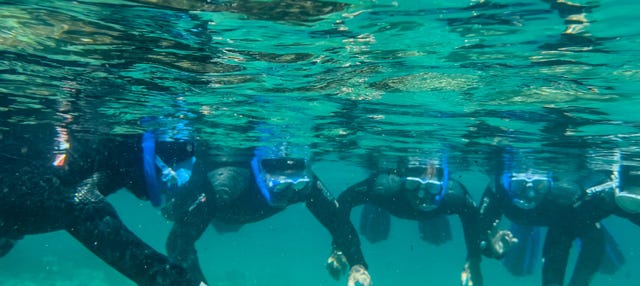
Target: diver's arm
[(335, 218), (184, 234), (461, 201), (615, 209), (357, 194), (492, 241), (97, 226)]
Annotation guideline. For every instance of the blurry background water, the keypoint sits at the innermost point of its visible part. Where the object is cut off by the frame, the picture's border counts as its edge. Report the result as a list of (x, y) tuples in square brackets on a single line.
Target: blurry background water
[(556, 79)]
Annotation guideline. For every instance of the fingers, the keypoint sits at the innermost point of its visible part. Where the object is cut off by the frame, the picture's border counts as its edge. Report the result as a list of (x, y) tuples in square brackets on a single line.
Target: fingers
[(465, 278), (336, 265), (508, 238), (359, 275), (502, 241), (334, 270)]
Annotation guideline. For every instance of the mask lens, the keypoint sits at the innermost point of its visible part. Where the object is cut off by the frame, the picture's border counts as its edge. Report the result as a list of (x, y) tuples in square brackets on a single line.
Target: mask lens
[(433, 188), (284, 176), (418, 184), (412, 184), (541, 186), (527, 189), (518, 186), (176, 175), (423, 192), (300, 184), (280, 184)]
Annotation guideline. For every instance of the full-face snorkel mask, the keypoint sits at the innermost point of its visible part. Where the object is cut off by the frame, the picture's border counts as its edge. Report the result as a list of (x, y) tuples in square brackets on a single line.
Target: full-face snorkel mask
[(279, 179), (426, 185), (526, 190), (167, 165)]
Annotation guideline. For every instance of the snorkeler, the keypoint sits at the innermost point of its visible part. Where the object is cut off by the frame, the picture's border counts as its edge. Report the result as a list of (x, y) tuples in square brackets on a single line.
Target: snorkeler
[(45, 189), (531, 197), (420, 189), (609, 193), (602, 194), (246, 188)]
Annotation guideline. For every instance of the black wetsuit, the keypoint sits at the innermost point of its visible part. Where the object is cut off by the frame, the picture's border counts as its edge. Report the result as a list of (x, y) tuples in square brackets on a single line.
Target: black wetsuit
[(564, 223), (393, 199), (228, 196), (38, 197), (598, 201)]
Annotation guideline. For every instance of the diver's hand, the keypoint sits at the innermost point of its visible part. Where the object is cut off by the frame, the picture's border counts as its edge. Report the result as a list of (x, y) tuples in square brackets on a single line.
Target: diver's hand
[(337, 264), (470, 272), (359, 275), (499, 242)]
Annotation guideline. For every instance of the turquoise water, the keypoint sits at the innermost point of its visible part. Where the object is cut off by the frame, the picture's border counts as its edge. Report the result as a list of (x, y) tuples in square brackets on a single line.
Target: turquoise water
[(559, 80)]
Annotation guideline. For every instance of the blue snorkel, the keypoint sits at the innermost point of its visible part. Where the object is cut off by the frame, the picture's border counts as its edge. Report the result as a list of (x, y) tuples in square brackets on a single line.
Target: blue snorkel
[(261, 183), (505, 179), (173, 177), (445, 180), (507, 171), (149, 163)]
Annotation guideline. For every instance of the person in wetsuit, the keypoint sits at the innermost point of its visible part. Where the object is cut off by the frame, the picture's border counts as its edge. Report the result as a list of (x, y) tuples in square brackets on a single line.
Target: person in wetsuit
[(249, 189), (614, 192), (419, 189), (606, 193), (45, 188), (603, 193), (532, 197)]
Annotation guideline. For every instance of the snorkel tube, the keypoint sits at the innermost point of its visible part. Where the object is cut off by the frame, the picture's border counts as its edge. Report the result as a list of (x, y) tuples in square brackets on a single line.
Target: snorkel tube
[(445, 179), (149, 160), (259, 181)]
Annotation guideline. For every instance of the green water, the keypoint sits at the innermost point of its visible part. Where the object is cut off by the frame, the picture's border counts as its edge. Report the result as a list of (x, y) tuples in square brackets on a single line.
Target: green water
[(559, 80)]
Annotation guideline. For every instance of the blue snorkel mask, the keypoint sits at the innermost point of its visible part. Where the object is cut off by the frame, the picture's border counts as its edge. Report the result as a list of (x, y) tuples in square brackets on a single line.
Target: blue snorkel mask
[(280, 179), (526, 190), (175, 169), (426, 185)]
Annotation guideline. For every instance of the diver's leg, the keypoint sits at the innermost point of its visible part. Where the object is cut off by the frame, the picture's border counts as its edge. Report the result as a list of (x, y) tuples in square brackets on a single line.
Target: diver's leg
[(555, 254), (590, 257), (97, 226)]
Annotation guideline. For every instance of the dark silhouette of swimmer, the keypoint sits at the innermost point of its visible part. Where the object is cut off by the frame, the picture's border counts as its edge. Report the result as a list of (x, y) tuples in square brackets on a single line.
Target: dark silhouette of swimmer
[(49, 183), (421, 189), (531, 197), (250, 187)]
